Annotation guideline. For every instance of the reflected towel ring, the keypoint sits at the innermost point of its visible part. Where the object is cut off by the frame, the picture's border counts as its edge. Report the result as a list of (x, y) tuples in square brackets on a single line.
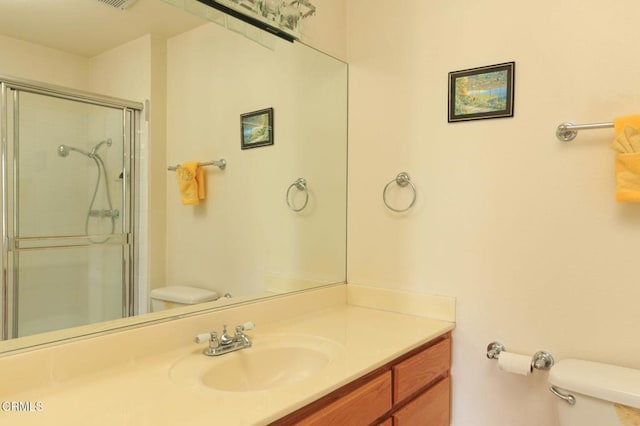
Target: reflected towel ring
[(301, 185), (402, 180)]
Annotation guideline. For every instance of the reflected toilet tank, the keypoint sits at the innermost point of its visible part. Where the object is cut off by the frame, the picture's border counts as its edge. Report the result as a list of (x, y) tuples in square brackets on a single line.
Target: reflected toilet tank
[(604, 394), (180, 295)]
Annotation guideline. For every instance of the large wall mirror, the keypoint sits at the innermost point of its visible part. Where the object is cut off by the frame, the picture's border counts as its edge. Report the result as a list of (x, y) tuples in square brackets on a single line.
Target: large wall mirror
[(100, 104)]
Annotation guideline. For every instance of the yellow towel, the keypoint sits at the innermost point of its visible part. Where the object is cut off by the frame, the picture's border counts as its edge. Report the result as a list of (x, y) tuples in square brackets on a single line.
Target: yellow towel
[(627, 164), (629, 120), (191, 183), (628, 177), (628, 141)]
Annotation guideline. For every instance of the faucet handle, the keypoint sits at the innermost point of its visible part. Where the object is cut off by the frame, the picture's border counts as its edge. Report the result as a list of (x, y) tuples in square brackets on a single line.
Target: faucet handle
[(249, 325), (205, 337), (201, 338)]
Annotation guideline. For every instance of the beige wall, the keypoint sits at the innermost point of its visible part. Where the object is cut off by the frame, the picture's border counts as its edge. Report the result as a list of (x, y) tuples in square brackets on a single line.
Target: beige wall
[(326, 29), (34, 62), (124, 71), (523, 230)]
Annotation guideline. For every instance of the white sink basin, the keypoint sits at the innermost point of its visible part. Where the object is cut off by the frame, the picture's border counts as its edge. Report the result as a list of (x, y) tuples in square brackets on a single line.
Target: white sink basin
[(272, 361)]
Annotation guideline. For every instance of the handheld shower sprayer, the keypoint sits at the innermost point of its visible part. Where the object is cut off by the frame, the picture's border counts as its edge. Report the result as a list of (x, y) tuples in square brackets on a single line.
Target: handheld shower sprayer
[(63, 151), (94, 150)]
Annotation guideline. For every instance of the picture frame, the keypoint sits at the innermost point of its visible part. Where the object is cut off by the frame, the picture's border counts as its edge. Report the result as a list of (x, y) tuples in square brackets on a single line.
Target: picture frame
[(256, 128), (483, 92)]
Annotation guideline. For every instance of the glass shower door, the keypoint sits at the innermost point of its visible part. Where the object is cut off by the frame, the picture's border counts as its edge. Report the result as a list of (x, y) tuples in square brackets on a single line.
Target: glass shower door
[(68, 207)]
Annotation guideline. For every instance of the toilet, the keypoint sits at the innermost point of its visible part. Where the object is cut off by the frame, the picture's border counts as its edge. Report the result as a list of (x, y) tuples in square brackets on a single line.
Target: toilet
[(180, 295), (605, 395)]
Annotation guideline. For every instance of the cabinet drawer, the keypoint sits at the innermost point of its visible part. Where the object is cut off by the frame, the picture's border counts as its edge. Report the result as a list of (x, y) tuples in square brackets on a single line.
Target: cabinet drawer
[(430, 408), (414, 373), (359, 407)]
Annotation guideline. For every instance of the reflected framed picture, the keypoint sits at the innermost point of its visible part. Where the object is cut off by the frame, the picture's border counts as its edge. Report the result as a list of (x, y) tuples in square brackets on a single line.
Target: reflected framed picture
[(256, 128), (483, 92)]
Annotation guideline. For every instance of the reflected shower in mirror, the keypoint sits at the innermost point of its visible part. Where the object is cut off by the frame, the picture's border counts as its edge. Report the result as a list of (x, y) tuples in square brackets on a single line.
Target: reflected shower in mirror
[(116, 231), (102, 181), (69, 258)]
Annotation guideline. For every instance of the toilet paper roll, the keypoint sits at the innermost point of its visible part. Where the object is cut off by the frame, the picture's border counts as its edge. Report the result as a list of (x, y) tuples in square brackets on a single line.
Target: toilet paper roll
[(515, 363)]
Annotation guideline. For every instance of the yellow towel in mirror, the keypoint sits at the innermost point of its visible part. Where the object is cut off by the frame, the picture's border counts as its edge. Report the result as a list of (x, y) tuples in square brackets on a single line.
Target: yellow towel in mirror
[(202, 189), (191, 183)]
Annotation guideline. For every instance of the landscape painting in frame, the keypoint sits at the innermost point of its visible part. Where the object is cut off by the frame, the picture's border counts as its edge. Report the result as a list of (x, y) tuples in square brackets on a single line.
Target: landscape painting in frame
[(484, 92), (257, 128)]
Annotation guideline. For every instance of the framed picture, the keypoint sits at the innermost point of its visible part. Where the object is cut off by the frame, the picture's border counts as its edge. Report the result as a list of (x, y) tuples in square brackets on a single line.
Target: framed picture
[(256, 128), (484, 92)]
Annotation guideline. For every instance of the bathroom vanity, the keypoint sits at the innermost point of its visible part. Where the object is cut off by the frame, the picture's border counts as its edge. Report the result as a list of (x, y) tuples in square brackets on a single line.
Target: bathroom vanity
[(317, 357), (413, 389)]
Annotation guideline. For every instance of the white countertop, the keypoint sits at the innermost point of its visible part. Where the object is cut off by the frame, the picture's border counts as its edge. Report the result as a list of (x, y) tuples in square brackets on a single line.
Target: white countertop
[(140, 392)]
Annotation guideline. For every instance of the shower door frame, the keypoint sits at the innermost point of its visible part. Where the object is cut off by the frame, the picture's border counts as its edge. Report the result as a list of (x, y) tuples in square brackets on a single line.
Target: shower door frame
[(131, 114)]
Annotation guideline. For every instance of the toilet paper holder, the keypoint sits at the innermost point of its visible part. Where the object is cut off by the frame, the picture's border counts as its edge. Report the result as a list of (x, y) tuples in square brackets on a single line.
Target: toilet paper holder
[(541, 360)]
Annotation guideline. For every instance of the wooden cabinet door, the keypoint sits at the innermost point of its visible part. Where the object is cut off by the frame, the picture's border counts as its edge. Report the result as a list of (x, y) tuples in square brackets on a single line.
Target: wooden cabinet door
[(362, 406), (415, 373), (432, 408)]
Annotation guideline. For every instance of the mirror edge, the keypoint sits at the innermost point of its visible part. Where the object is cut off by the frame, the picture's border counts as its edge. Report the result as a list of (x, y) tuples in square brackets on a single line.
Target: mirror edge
[(60, 337)]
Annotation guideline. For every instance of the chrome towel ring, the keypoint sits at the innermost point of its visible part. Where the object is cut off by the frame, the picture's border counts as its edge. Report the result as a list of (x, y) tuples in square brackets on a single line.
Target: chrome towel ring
[(403, 179), (301, 185)]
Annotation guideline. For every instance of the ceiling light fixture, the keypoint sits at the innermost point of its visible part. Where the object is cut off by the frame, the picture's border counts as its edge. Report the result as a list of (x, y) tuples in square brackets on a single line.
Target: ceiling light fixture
[(279, 17)]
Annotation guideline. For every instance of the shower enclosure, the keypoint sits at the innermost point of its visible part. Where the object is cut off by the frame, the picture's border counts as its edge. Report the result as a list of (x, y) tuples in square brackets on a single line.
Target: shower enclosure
[(68, 174)]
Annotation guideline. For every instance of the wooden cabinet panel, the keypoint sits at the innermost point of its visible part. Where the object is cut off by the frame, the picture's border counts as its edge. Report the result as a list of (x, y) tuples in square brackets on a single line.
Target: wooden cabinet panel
[(414, 373), (431, 408), (360, 407), (412, 390)]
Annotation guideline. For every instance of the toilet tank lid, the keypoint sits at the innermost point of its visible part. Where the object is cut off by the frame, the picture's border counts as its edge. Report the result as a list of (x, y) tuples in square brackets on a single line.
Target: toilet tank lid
[(183, 294), (604, 381)]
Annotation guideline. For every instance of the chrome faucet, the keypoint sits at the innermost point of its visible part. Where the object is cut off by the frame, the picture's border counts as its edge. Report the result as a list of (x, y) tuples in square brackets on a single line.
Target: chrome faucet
[(226, 343)]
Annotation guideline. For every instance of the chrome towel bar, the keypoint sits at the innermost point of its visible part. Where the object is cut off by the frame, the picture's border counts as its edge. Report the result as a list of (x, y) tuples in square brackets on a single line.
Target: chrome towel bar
[(568, 131), (222, 164)]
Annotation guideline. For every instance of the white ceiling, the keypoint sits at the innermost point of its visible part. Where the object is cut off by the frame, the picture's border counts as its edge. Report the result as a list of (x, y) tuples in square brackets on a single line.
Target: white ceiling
[(90, 27)]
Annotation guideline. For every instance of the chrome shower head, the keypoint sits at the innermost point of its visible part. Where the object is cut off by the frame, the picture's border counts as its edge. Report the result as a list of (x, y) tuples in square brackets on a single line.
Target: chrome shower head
[(63, 151)]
